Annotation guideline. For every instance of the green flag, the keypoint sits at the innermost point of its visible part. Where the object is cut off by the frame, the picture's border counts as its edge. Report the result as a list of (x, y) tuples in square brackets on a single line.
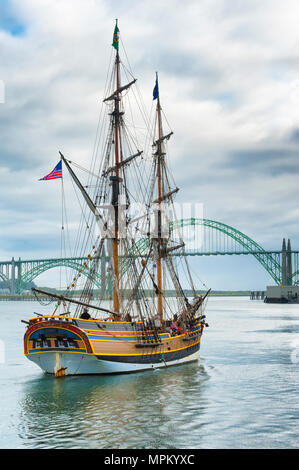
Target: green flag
[(115, 37)]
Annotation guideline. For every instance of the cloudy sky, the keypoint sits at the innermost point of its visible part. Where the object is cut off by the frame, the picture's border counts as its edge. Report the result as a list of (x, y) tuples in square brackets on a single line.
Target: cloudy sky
[(229, 84)]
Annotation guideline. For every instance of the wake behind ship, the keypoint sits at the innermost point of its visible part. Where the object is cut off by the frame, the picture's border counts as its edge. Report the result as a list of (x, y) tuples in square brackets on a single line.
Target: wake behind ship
[(128, 218)]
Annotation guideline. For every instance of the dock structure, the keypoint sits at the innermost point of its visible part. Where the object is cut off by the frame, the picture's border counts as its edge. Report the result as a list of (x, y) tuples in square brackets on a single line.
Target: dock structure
[(288, 290), (257, 295)]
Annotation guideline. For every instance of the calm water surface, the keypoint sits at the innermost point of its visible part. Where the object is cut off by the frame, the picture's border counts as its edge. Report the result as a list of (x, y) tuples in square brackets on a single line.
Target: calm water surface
[(243, 393)]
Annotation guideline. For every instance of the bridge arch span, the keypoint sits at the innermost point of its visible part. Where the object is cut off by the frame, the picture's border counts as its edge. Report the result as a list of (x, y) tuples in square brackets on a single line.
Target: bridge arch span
[(36, 268), (269, 263), (3, 277)]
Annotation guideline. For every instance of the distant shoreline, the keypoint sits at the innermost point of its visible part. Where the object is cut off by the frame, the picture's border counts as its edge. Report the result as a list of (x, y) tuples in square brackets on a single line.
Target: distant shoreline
[(32, 297)]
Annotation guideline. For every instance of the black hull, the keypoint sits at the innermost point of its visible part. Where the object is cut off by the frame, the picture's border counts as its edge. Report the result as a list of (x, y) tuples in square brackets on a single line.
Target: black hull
[(153, 358)]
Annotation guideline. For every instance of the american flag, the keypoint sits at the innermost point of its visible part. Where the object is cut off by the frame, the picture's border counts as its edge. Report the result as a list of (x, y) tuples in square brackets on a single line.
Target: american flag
[(56, 173)]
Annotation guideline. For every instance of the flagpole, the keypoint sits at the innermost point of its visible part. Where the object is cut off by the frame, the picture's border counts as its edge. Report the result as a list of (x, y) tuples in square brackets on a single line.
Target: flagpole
[(62, 241)]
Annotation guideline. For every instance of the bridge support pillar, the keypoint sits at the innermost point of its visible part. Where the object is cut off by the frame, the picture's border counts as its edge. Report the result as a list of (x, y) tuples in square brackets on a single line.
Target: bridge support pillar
[(13, 277), (283, 263), (289, 264)]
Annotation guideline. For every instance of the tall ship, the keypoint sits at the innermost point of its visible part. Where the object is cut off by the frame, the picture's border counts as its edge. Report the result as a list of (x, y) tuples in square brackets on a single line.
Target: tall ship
[(130, 238)]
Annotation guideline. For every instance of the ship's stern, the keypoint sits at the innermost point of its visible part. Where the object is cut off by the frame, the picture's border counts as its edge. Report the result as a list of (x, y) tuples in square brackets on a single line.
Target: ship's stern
[(57, 346)]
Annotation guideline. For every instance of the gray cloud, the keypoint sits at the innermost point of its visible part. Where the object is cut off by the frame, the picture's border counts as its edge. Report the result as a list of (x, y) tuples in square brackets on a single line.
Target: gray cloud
[(269, 162)]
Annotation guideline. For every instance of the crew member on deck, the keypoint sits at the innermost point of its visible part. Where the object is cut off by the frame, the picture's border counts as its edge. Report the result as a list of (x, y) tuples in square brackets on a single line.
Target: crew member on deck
[(174, 328), (128, 317), (85, 315)]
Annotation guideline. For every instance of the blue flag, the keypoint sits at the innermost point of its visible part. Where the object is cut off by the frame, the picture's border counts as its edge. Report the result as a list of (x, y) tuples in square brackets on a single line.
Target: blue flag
[(156, 90)]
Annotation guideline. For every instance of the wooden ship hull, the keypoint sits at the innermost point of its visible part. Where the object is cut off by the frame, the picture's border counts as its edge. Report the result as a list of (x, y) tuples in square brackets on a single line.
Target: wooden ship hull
[(71, 346)]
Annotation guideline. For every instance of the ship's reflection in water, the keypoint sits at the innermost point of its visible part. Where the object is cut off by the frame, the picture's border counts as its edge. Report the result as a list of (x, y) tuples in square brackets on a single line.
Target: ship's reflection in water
[(143, 410)]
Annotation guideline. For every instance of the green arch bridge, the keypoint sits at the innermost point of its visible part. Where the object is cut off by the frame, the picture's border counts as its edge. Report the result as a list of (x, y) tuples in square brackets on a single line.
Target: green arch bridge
[(203, 237)]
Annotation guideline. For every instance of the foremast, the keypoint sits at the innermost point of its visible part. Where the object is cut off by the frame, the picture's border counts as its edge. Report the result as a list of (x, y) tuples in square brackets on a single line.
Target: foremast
[(118, 182), (159, 156), (116, 179)]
